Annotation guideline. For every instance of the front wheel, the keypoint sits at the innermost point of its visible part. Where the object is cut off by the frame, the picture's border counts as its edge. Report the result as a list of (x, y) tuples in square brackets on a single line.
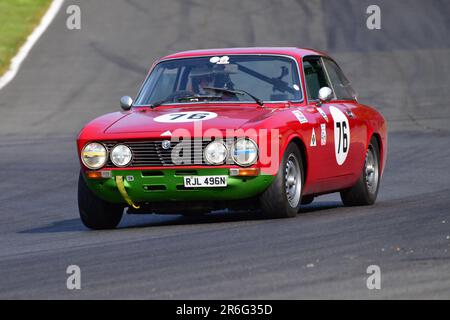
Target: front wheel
[(365, 191), (194, 214), (307, 200), (94, 212), (283, 197)]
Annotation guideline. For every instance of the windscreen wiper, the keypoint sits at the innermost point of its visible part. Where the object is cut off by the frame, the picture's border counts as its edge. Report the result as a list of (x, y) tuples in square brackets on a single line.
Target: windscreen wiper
[(160, 102), (191, 98), (198, 97), (237, 91)]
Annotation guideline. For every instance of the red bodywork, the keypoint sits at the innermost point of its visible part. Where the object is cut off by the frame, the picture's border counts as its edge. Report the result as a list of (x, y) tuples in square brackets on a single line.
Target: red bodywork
[(323, 173)]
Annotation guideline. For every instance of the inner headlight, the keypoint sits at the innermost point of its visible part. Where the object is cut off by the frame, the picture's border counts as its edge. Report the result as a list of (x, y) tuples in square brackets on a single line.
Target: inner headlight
[(94, 155), (121, 155), (215, 152), (245, 152)]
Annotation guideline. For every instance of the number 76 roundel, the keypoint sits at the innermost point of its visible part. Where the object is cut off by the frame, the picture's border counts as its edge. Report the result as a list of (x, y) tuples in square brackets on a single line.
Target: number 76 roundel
[(341, 135), (188, 116)]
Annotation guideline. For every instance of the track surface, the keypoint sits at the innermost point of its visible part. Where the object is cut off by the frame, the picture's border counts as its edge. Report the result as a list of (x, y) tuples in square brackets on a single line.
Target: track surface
[(72, 76)]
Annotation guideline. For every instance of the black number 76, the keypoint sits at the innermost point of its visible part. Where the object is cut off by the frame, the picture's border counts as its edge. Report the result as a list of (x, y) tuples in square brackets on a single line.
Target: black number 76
[(343, 137), (193, 116)]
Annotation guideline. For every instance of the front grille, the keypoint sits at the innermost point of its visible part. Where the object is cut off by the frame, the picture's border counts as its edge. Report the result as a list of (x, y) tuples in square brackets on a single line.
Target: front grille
[(151, 153)]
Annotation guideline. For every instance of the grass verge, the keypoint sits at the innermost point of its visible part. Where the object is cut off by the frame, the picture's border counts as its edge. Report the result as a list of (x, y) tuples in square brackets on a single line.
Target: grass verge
[(18, 18)]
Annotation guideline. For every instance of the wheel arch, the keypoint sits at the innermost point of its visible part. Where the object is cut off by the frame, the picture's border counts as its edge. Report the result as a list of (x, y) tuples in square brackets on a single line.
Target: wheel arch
[(303, 151), (377, 137)]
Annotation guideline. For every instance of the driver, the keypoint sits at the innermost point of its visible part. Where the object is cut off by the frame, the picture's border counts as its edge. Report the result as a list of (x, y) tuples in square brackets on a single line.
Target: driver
[(217, 76), (200, 78)]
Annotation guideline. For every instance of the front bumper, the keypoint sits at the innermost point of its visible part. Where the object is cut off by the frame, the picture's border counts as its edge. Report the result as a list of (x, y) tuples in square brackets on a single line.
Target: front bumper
[(144, 186)]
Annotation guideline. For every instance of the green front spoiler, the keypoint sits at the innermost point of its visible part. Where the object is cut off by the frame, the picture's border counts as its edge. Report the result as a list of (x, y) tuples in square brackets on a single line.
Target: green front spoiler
[(168, 185)]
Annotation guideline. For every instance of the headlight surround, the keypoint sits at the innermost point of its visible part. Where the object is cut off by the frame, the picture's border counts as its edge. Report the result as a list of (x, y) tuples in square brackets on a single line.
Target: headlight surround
[(121, 155), (94, 155), (215, 153), (245, 152)]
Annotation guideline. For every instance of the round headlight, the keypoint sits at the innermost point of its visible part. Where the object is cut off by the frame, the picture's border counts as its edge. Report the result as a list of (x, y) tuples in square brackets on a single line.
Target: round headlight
[(94, 155), (215, 152), (245, 152), (121, 155)]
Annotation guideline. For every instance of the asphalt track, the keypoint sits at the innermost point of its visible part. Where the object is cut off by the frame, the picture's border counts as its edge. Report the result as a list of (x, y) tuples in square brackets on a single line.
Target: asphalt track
[(72, 76)]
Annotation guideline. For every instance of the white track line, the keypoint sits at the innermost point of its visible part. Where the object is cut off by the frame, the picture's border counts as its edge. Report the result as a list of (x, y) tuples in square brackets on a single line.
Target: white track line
[(32, 39)]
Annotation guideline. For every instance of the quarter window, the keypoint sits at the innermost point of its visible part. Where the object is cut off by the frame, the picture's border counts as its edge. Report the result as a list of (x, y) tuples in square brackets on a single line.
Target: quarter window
[(341, 86), (315, 77)]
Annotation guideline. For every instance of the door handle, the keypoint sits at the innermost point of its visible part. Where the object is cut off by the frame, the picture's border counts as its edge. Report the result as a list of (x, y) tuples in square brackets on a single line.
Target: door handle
[(349, 113)]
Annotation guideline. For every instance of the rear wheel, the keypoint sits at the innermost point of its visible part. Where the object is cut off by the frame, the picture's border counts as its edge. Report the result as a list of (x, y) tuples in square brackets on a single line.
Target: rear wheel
[(96, 213), (365, 191), (282, 198)]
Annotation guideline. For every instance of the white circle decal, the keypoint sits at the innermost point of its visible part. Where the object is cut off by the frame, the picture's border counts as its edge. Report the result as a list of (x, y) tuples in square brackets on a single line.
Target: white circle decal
[(214, 59), (341, 135), (188, 116)]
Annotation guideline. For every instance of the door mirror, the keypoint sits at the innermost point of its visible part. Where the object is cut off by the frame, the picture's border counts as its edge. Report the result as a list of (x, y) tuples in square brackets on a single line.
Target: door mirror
[(325, 94), (126, 102)]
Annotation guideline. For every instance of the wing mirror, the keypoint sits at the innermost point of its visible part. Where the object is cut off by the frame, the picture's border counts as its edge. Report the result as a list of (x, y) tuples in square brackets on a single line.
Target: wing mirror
[(126, 102), (325, 94)]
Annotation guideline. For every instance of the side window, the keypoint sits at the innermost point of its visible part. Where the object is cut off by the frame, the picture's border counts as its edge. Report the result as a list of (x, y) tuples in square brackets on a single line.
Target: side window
[(315, 77), (341, 85)]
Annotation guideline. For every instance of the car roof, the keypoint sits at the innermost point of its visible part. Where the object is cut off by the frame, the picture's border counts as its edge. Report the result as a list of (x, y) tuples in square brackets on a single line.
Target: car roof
[(288, 51)]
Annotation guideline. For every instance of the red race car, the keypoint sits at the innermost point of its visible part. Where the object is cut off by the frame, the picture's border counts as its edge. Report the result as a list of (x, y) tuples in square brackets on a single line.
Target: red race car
[(267, 128)]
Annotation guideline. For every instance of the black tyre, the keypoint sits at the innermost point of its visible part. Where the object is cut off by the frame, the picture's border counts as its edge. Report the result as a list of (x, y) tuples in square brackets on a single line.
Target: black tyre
[(307, 200), (194, 214), (365, 191), (283, 197), (94, 212)]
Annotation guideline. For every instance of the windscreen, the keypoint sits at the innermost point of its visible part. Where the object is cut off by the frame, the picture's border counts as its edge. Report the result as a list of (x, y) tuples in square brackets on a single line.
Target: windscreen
[(269, 78)]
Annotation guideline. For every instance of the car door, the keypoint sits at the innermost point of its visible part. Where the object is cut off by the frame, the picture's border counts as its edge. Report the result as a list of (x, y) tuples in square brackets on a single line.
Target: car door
[(337, 160), (322, 164), (350, 133)]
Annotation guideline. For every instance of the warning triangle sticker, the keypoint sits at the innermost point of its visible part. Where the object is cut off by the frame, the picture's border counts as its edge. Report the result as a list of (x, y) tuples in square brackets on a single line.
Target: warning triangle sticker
[(313, 138)]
